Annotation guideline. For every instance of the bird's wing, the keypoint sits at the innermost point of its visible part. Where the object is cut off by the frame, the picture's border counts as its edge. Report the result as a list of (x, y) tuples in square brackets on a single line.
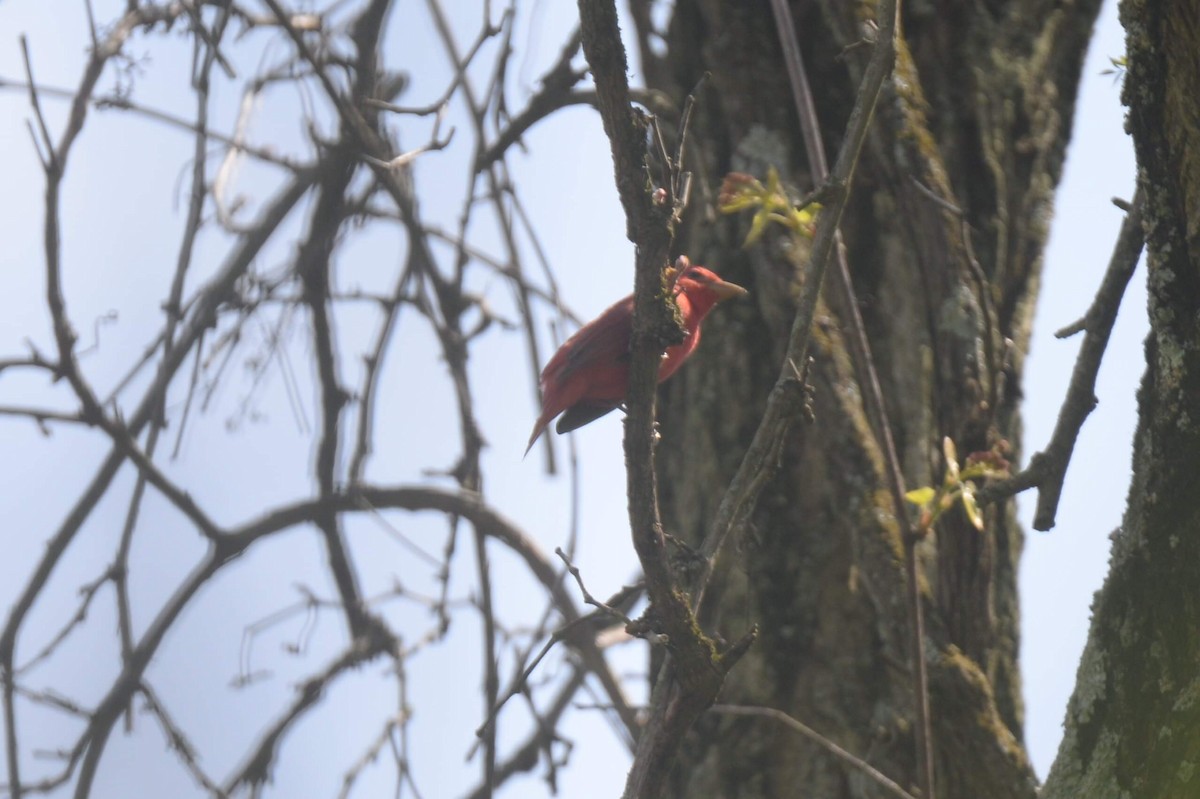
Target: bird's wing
[(601, 343)]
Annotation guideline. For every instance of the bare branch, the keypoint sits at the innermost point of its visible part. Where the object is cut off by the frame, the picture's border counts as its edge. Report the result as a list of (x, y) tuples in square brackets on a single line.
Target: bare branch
[(1047, 469), (178, 741), (782, 403), (257, 768), (697, 669), (587, 597), (868, 376), (820, 740), (50, 161)]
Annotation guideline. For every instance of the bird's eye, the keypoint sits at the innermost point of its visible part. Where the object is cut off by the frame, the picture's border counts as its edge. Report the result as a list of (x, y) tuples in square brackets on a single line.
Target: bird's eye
[(694, 275)]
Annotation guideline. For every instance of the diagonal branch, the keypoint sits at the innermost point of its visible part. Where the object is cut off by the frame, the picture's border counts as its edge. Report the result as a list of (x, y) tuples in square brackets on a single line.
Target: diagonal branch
[(256, 770), (854, 761), (782, 403), (868, 380), (1048, 468)]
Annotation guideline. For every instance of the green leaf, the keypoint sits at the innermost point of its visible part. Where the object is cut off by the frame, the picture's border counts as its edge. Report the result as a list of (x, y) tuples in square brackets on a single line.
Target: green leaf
[(740, 203), (757, 226), (921, 496), (951, 453), (802, 220), (773, 184), (968, 500)]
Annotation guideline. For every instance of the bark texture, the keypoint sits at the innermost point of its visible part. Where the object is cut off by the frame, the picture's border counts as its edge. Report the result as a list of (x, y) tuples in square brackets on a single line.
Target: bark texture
[(1132, 722), (978, 114)]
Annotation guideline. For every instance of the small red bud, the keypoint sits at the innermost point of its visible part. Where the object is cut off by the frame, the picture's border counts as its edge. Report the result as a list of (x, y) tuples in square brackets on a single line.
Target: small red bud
[(733, 185)]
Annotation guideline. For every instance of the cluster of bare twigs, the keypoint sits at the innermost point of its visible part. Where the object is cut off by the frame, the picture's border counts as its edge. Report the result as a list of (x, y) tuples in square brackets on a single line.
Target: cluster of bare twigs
[(348, 169)]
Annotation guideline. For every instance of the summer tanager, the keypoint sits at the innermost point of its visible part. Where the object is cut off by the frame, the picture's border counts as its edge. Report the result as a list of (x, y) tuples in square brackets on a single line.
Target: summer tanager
[(589, 375)]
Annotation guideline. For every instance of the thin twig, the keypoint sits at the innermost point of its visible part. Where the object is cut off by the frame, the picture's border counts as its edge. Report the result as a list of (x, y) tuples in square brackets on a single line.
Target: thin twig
[(178, 741), (460, 76), (43, 415), (402, 160), (1047, 469), (256, 769), (367, 758), (51, 158), (868, 379), (525, 756), (878, 777), (468, 469), (88, 592), (575, 632), (758, 462), (587, 597), (111, 101)]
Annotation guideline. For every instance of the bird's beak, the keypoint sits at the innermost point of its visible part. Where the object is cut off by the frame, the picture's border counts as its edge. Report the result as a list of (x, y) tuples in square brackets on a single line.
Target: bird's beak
[(726, 290)]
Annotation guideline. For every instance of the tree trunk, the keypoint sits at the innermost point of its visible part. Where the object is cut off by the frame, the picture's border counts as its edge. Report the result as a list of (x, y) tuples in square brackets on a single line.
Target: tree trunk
[(1132, 722), (977, 117)]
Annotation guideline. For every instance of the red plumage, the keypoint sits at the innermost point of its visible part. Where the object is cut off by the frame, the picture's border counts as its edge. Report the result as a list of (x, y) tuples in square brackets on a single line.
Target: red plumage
[(589, 375)]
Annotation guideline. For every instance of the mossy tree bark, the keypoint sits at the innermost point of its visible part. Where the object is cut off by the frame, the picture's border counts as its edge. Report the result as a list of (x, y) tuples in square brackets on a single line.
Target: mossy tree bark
[(978, 116), (1132, 722)]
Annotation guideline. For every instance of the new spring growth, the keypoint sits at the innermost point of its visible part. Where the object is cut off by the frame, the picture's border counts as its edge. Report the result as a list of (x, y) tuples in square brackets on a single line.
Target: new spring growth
[(770, 203), (958, 485)]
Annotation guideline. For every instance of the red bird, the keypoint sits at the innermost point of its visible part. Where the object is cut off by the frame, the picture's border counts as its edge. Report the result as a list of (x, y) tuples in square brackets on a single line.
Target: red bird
[(589, 375)]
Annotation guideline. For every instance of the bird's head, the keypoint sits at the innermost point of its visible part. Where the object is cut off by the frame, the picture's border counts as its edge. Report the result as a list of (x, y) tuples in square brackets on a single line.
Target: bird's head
[(703, 287)]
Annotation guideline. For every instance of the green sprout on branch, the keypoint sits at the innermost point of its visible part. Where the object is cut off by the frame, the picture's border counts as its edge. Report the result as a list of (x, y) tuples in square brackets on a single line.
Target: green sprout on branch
[(1120, 66), (740, 192), (958, 485)]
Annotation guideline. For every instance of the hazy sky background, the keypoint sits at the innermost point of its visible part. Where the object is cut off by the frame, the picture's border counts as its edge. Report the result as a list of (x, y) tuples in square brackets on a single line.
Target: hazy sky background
[(123, 210)]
